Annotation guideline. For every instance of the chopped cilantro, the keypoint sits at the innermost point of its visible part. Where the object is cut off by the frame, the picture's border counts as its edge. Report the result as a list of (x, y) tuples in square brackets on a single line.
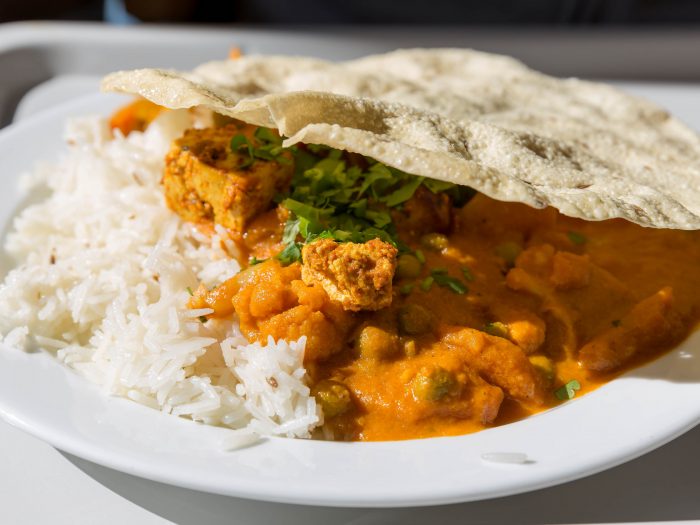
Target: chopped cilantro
[(427, 283), (290, 254), (379, 218), (404, 192), (333, 196), (460, 194), (331, 199), (306, 211), (577, 238), (568, 391), (269, 147), (419, 255), (467, 273), (291, 230), (241, 145), (189, 291), (436, 186), (441, 278), (254, 260), (451, 283), (267, 136)]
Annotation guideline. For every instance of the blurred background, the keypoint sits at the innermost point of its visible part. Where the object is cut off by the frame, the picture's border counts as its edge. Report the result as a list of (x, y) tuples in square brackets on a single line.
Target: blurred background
[(649, 47), (66, 45), (546, 12)]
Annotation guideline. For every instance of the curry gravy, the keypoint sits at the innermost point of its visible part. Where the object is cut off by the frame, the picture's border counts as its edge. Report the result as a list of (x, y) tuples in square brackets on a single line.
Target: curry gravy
[(542, 300)]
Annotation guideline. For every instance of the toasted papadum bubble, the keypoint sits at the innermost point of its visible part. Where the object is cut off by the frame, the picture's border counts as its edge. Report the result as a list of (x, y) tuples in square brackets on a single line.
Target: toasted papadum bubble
[(482, 120)]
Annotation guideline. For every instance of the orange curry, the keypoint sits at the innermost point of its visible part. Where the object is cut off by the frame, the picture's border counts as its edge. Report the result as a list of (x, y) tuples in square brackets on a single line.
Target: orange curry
[(428, 310)]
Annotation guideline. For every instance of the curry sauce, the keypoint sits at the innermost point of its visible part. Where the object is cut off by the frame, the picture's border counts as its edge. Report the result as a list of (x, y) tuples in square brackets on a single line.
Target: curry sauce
[(427, 310)]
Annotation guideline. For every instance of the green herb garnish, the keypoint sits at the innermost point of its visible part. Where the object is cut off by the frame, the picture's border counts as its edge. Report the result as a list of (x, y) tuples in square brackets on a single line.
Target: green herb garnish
[(290, 254), (419, 255), (577, 238), (427, 283), (568, 391), (241, 145), (254, 260), (403, 193), (330, 198), (267, 146), (460, 194), (443, 279), (437, 186), (467, 273), (334, 198), (189, 291)]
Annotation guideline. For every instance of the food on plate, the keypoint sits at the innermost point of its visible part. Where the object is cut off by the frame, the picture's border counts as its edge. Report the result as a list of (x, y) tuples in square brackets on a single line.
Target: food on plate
[(203, 180), (418, 244)]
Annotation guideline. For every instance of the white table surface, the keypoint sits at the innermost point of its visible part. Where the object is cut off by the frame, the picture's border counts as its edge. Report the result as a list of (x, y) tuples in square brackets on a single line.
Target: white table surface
[(39, 484)]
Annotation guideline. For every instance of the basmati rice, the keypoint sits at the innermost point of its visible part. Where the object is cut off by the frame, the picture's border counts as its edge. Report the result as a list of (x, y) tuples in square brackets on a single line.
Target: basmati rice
[(101, 282)]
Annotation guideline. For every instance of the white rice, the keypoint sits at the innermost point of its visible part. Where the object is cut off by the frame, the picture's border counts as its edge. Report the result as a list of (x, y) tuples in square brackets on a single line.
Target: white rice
[(101, 282)]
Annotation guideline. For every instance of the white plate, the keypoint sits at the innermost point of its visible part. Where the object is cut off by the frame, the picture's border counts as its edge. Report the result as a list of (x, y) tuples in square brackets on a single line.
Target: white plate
[(620, 421)]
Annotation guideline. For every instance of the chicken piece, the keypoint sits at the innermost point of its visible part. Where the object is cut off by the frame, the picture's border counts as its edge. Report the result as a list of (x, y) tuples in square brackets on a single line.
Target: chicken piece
[(570, 271), (206, 180), (651, 323), (571, 289), (500, 362), (424, 212), (536, 260), (521, 280), (358, 276)]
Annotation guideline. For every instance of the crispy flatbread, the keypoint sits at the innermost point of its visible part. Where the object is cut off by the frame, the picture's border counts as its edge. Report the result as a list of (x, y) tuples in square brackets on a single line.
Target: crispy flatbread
[(482, 120)]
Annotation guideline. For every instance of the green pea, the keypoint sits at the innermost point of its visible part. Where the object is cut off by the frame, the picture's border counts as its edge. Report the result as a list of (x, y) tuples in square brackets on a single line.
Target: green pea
[(373, 342), (408, 267), (509, 251), (415, 319), (333, 396), (433, 385)]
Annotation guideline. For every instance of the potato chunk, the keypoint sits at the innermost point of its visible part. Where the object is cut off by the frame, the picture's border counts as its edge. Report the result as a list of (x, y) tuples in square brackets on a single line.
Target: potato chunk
[(358, 276), (500, 362), (205, 180)]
